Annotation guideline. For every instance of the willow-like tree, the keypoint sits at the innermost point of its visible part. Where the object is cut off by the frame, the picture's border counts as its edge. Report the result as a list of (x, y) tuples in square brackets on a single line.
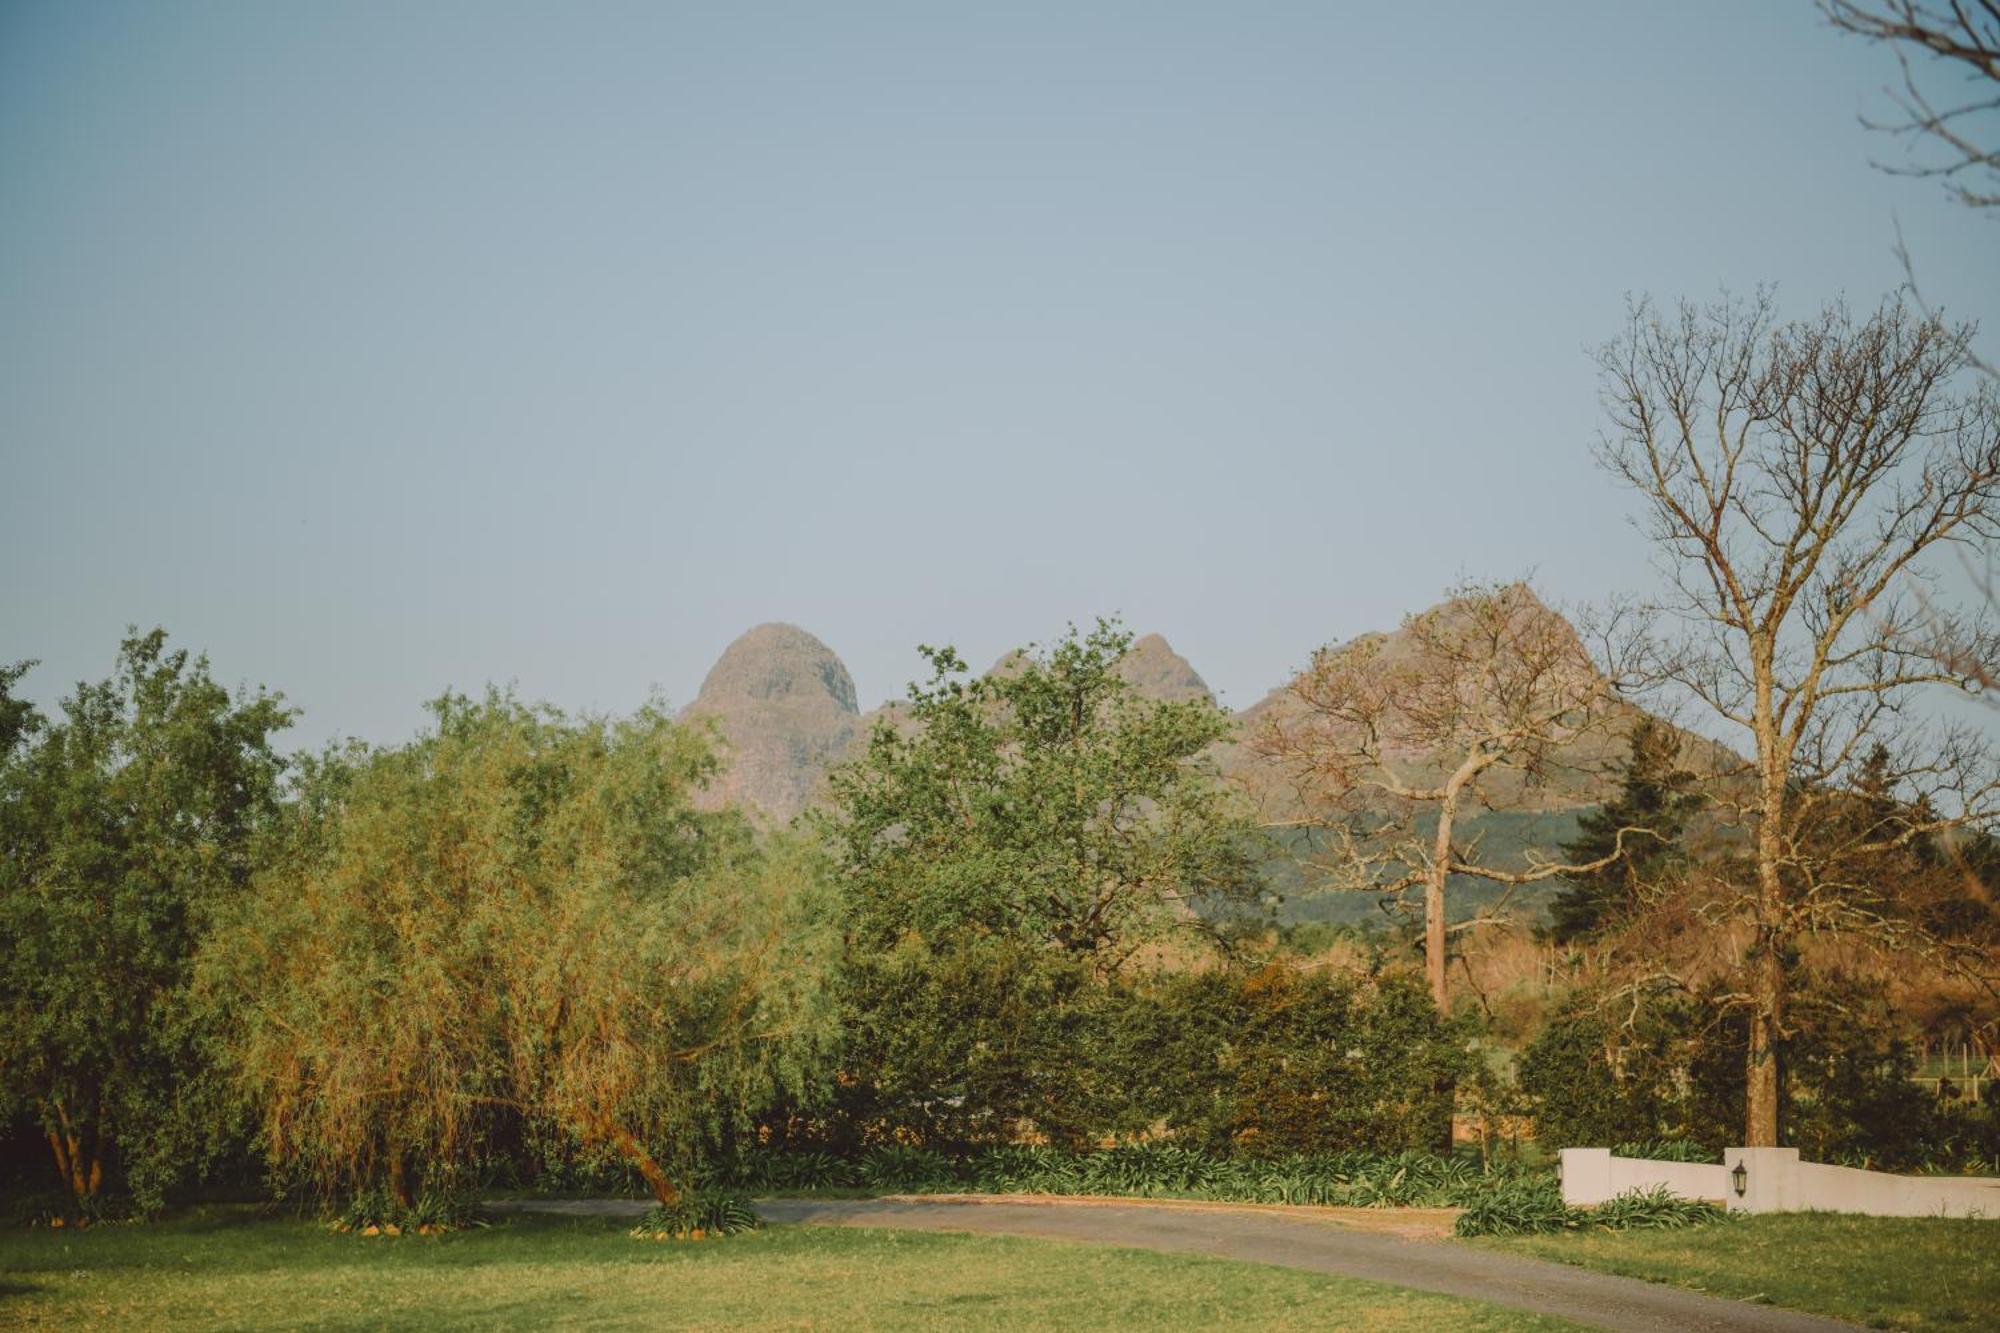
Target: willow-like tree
[(519, 917), (1800, 482), (125, 826)]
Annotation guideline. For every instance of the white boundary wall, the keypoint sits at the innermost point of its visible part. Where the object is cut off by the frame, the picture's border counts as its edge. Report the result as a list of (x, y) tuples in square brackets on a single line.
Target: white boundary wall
[(1591, 1176), (1776, 1181)]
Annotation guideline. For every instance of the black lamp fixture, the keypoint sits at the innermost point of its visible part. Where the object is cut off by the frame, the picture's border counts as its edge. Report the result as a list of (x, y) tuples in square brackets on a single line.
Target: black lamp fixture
[(1740, 1178)]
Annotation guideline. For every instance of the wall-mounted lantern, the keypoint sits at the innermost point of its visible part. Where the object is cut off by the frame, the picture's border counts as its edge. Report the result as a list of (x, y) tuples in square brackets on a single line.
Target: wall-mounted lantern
[(1739, 1178)]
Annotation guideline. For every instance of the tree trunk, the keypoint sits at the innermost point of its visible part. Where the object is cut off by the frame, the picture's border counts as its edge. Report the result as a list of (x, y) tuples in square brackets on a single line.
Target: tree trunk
[(1767, 979), (649, 1168), (1434, 969), (82, 1171), (399, 1181)]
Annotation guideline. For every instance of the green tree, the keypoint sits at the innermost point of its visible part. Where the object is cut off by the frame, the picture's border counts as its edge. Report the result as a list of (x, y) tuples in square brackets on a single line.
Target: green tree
[(1045, 802), (1004, 849), (1656, 798), (125, 826), (518, 918)]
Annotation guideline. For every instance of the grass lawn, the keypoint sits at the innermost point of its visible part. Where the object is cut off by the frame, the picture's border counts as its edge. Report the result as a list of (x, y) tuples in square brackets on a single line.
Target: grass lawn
[(227, 1268), (1886, 1272)]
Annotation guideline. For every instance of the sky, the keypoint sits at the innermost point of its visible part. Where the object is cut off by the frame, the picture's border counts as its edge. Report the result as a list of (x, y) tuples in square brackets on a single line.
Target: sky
[(377, 348)]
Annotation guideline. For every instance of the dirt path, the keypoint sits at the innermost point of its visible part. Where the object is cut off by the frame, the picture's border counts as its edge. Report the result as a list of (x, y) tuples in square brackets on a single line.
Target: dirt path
[(1317, 1240)]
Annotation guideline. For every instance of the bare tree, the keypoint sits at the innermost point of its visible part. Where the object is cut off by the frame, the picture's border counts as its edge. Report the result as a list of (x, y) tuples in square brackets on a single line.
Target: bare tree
[(1472, 706), (1964, 37), (1797, 479)]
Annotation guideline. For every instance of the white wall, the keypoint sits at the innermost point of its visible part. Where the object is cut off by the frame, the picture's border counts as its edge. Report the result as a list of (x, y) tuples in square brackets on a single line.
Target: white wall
[(1776, 1181), (1590, 1176)]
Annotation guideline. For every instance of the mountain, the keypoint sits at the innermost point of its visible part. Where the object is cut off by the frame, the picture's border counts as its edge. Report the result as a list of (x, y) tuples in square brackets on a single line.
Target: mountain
[(1155, 671), (784, 706), (1576, 775)]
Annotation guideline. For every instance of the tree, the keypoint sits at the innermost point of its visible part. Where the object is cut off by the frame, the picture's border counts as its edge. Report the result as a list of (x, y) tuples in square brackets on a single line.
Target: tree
[(1005, 848), (1046, 802), (1964, 37), (517, 918), (124, 828), (1393, 740), (1796, 479), (1640, 829)]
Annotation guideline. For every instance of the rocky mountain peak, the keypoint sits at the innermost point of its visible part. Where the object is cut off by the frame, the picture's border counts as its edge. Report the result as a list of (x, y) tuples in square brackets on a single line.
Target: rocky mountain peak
[(784, 706), (778, 661), (1155, 671)]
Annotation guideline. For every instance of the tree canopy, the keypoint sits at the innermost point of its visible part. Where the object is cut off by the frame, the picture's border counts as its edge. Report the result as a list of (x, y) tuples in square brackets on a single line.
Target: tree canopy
[(1044, 802), (127, 825), (517, 919)]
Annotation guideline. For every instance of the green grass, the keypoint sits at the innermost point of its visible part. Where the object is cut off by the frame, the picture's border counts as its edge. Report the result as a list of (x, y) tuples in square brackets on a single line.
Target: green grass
[(1885, 1272), (226, 1269)]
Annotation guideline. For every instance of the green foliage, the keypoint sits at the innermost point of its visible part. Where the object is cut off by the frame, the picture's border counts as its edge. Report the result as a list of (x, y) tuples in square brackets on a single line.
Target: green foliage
[(1666, 1083), (432, 1211), (1670, 1069), (1516, 1208), (1569, 1076), (519, 920), (1282, 1060), (1655, 1209), (964, 1047), (1004, 849), (961, 1043), (1642, 825), (892, 1167), (127, 826), (1525, 1207), (1045, 803), (1139, 1170), (1666, 1150), (699, 1214)]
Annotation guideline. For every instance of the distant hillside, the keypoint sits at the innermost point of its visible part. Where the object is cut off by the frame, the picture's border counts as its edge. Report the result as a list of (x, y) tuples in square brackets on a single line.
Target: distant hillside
[(785, 708), (1507, 838)]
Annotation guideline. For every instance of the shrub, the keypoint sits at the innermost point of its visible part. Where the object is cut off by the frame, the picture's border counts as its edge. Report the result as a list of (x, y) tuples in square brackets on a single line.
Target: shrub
[(1667, 1150), (1517, 1208), (1530, 1206), (896, 1166), (698, 1215), (1161, 1170), (373, 1212), (1656, 1209), (1579, 1096)]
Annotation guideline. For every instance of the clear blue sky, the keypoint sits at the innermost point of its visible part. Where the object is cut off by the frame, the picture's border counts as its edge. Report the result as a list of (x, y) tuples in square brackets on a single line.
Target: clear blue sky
[(379, 347)]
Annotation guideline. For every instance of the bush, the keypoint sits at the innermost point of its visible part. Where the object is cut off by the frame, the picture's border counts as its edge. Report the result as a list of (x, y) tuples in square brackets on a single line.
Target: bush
[(1582, 1097), (1153, 1170), (895, 1167), (1517, 1208), (698, 1215), (1528, 1207), (376, 1212), (989, 1041), (1666, 1150), (1656, 1209)]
